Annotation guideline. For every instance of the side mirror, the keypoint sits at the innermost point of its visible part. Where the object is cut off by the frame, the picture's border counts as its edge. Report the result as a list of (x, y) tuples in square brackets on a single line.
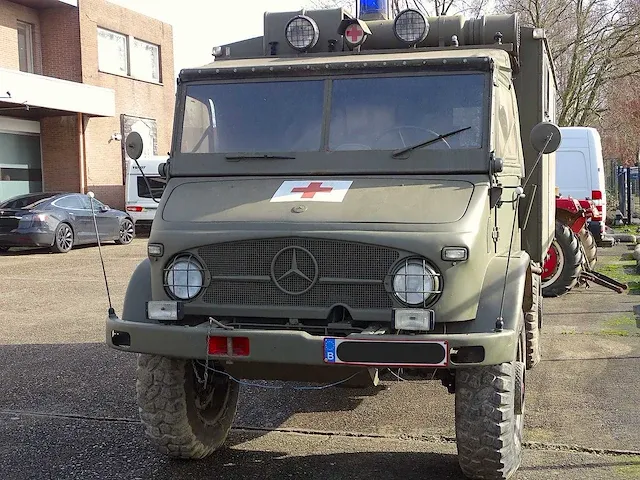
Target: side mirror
[(545, 137), (162, 170), (105, 208), (134, 145)]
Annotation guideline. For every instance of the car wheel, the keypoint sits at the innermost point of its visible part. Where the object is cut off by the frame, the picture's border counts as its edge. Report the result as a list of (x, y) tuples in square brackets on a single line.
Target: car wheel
[(127, 232), (63, 239)]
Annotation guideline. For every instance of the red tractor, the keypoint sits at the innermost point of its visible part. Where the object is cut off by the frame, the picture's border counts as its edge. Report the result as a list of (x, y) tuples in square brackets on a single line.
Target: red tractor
[(573, 252)]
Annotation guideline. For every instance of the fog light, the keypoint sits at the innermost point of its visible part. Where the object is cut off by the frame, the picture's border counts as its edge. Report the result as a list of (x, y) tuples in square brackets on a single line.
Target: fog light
[(302, 33), (411, 26), (455, 254), (164, 311), (414, 319)]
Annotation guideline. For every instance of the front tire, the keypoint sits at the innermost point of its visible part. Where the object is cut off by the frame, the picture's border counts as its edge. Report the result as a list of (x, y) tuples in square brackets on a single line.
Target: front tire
[(63, 238), (563, 264), (532, 324), (182, 419), (489, 409)]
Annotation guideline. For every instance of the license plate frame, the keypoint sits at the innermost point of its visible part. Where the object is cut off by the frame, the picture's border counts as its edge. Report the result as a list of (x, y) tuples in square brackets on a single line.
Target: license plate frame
[(332, 357)]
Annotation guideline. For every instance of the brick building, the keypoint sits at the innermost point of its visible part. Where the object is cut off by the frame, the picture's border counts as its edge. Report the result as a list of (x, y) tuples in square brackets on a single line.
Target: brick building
[(76, 76)]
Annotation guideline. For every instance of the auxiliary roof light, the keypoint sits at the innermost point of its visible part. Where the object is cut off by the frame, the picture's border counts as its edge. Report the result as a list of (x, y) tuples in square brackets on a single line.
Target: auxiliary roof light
[(411, 26), (373, 9), (302, 33), (355, 32)]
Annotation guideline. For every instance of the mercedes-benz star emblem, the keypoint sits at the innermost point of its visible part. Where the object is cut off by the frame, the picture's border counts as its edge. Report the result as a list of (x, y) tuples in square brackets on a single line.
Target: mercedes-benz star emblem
[(294, 270)]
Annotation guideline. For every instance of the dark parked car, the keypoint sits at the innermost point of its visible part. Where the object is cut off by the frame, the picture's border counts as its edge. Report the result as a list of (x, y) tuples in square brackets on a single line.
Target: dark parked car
[(60, 220)]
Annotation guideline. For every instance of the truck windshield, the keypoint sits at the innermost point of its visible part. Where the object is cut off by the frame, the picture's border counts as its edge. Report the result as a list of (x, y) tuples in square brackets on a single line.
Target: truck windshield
[(373, 113)]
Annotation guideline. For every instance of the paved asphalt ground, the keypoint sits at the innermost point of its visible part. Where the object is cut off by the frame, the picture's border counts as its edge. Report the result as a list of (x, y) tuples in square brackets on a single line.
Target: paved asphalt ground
[(67, 404)]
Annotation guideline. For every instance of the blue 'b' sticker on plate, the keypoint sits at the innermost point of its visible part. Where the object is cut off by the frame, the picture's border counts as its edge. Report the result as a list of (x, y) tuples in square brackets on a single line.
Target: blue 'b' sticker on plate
[(330, 350)]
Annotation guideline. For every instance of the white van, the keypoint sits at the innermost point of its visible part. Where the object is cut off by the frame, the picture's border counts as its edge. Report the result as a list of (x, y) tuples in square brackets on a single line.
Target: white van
[(138, 200), (580, 171)]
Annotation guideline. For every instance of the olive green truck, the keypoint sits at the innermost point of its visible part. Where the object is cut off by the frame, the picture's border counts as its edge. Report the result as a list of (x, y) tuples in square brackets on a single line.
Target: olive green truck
[(349, 199)]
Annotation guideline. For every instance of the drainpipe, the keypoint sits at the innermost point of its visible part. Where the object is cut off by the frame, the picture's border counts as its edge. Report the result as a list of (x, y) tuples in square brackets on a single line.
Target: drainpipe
[(81, 154)]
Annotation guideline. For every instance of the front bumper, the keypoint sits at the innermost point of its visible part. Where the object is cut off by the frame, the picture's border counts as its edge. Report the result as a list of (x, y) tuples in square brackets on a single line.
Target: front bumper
[(26, 238), (281, 346)]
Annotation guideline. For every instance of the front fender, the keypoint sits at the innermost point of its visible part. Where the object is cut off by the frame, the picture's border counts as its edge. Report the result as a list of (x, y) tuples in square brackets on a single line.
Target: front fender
[(138, 293), (491, 297)]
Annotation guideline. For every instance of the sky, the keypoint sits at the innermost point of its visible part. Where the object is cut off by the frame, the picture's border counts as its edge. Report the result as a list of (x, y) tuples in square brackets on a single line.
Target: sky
[(199, 25)]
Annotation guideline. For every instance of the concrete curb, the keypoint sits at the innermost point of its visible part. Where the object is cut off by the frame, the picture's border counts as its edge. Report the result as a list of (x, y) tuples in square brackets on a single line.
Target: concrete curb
[(623, 237)]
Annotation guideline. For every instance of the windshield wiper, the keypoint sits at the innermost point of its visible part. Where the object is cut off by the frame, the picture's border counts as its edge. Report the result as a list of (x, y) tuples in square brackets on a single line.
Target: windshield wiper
[(235, 158), (397, 153)]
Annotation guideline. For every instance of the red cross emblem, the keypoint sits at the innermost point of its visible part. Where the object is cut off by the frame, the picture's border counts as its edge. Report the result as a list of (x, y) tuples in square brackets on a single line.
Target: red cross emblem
[(354, 33), (310, 190)]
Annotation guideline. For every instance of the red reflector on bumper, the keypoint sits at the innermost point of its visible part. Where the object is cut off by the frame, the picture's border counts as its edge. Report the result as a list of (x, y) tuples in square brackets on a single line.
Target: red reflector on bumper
[(240, 346), (217, 345), (134, 209)]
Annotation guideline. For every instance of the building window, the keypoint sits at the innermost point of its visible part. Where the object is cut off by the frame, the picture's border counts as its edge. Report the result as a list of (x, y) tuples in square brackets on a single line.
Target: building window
[(112, 52), (125, 55), (145, 62), (25, 46)]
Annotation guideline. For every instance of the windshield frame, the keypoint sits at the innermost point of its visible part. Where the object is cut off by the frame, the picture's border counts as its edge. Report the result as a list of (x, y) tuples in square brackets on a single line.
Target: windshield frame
[(328, 83), (338, 162)]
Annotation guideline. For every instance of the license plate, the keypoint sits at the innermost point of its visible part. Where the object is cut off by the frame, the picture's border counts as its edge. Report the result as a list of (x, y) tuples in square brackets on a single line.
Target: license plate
[(386, 353)]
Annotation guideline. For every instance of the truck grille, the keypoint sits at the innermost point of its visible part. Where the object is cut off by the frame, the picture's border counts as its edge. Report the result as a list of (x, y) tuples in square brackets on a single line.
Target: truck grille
[(259, 272)]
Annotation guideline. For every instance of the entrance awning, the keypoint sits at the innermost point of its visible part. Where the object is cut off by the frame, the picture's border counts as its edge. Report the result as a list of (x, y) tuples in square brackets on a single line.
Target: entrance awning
[(35, 96)]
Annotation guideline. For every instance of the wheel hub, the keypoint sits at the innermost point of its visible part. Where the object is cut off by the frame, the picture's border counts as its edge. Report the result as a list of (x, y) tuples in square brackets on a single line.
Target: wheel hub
[(553, 264)]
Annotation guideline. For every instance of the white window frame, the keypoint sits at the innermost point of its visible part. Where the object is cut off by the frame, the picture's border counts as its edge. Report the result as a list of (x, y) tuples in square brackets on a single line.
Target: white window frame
[(28, 29), (131, 69)]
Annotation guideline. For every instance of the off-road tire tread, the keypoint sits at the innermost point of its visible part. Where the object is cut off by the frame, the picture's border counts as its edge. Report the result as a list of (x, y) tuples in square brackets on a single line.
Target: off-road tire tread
[(570, 245), (590, 247), (483, 410), (532, 326), (162, 402)]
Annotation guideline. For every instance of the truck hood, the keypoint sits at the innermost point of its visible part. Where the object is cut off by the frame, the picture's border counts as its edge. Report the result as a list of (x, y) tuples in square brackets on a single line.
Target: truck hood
[(309, 200)]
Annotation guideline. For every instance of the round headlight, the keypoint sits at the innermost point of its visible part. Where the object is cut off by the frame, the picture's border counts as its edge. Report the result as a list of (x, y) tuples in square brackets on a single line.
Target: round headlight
[(411, 26), (415, 282), (184, 278), (302, 33)]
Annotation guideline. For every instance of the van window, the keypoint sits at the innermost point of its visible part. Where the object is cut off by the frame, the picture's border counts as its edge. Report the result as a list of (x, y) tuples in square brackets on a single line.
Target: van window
[(572, 176), (157, 187)]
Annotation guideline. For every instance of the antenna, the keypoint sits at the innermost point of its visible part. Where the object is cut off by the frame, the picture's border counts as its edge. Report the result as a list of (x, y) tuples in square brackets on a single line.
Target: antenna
[(519, 195), (95, 225)]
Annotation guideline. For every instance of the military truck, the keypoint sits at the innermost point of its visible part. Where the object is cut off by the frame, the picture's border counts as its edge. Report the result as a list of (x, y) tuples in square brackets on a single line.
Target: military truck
[(349, 197)]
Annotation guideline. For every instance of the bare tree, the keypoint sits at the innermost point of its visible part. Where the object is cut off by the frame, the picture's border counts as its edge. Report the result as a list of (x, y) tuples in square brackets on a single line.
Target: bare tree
[(472, 8), (594, 43)]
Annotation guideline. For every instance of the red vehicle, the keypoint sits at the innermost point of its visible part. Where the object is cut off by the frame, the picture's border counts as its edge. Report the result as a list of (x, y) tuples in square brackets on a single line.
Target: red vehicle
[(573, 252)]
